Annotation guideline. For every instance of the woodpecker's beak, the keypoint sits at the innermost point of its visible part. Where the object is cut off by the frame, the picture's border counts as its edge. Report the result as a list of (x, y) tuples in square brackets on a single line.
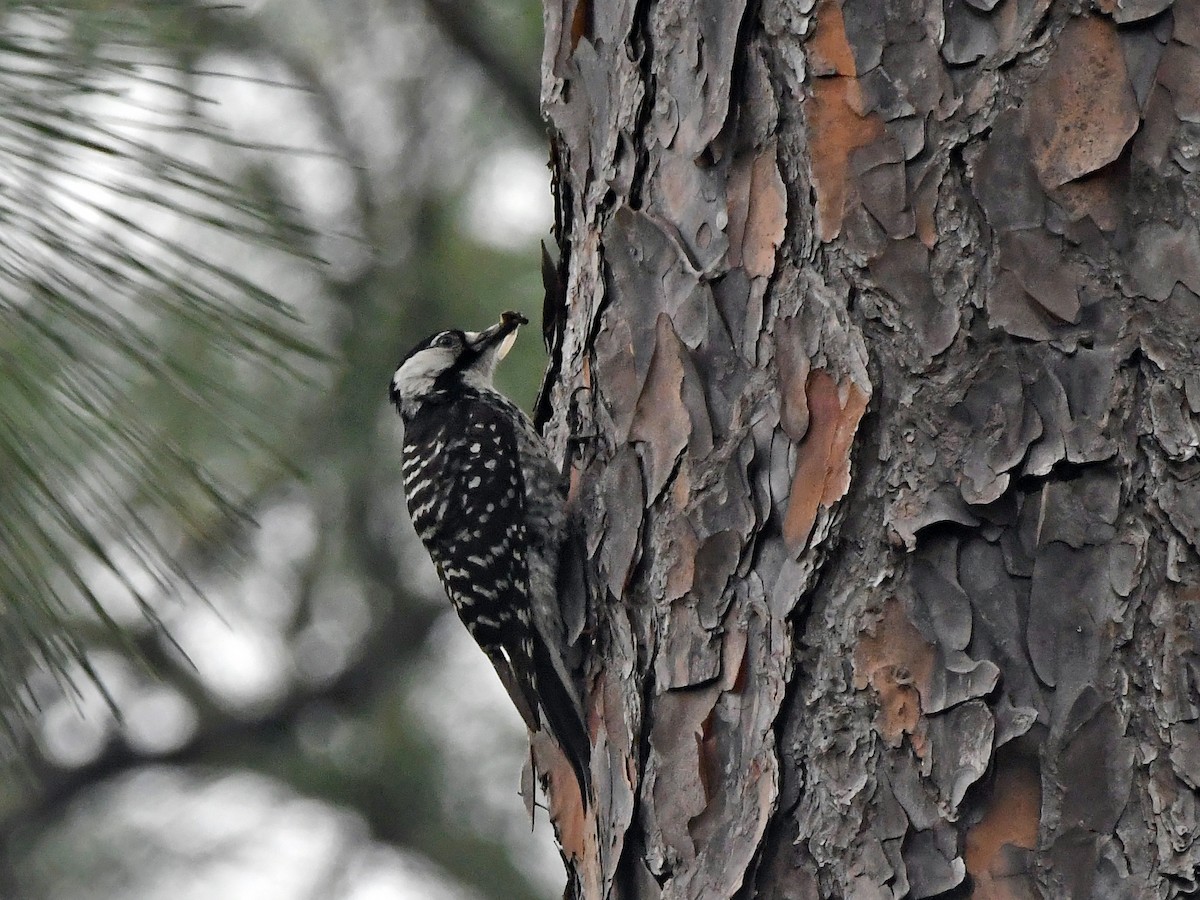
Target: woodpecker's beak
[(502, 335)]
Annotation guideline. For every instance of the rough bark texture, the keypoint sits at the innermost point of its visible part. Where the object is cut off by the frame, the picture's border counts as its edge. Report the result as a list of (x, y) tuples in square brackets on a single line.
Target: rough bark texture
[(884, 318)]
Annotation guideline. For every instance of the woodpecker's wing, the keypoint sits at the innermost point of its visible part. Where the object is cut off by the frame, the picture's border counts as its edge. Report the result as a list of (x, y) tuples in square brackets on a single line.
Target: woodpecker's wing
[(466, 492), (466, 495)]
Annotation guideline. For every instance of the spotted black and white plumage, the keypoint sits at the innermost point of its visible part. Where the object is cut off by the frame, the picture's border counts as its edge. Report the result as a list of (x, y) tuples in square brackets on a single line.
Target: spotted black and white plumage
[(488, 503)]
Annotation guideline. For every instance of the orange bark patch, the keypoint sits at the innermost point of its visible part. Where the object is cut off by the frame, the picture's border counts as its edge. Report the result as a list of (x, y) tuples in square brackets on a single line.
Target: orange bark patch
[(574, 482), (836, 127), (837, 475), (766, 216), (897, 663), (757, 203), (899, 705), (829, 50), (1011, 819), (822, 473), (837, 131), (562, 792), (1082, 110)]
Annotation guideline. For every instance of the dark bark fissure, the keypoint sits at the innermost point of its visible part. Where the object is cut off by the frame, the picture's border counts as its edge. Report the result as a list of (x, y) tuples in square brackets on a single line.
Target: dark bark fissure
[(642, 47)]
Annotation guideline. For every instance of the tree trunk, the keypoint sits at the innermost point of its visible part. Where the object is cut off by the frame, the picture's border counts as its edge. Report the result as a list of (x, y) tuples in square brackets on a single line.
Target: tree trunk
[(879, 323)]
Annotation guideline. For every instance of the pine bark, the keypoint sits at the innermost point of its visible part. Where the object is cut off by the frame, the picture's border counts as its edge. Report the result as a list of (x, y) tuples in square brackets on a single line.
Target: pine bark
[(875, 362)]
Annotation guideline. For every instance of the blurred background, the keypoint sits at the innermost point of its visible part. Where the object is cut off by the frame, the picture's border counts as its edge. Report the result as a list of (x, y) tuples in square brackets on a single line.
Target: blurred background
[(221, 226)]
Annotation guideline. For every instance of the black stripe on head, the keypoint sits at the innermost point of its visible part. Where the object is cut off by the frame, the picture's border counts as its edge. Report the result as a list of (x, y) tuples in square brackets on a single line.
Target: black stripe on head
[(430, 341), (458, 341)]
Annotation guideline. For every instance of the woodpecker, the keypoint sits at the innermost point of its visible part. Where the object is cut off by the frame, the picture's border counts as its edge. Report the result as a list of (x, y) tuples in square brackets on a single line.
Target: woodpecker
[(489, 505)]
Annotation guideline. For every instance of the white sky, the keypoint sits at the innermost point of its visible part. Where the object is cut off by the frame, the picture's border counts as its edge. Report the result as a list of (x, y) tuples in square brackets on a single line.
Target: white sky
[(509, 204)]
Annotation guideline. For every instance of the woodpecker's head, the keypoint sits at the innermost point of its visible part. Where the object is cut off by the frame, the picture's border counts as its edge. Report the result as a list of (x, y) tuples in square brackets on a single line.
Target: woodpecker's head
[(452, 360)]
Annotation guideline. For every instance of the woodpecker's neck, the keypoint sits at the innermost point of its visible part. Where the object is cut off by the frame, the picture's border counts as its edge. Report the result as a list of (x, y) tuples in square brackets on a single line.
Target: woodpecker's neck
[(442, 395)]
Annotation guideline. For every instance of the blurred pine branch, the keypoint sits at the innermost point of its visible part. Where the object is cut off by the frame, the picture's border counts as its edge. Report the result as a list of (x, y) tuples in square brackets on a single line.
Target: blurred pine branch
[(123, 330)]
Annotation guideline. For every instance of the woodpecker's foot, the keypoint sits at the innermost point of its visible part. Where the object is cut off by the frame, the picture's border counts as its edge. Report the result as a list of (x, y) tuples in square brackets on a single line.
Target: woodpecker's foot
[(578, 438)]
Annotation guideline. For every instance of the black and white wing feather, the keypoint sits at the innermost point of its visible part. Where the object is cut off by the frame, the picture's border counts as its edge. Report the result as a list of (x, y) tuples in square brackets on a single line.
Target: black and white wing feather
[(466, 495)]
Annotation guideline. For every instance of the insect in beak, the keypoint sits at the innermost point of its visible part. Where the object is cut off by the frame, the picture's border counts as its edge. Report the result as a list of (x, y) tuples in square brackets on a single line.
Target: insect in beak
[(506, 332)]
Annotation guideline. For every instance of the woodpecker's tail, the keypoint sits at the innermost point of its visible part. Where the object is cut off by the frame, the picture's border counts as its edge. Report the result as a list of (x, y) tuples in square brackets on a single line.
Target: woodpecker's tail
[(519, 686), (565, 719), (545, 703)]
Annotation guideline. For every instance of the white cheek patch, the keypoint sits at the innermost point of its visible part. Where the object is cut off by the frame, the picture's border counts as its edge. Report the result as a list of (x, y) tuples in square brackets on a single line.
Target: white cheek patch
[(417, 374)]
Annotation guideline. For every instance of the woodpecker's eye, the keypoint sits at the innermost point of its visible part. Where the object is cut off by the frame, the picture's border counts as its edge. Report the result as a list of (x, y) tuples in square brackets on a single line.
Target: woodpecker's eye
[(446, 340)]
